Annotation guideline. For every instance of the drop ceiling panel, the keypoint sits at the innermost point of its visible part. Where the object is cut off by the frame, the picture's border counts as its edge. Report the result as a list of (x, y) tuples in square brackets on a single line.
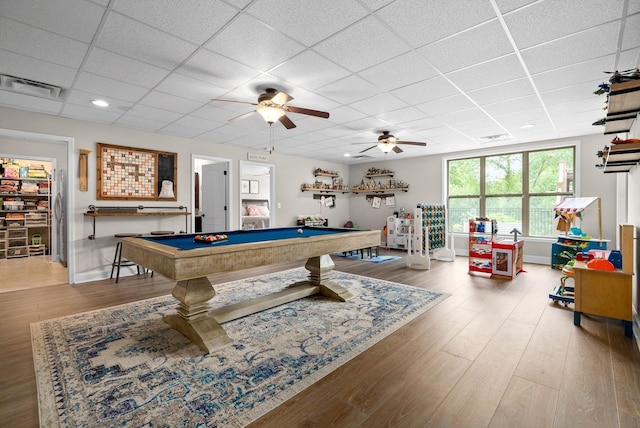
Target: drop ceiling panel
[(253, 43), (147, 112), (574, 74), (488, 73), (379, 104), (180, 130), (134, 40), (631, 37), (310, 70), (415, 68), (128, 70), (590, 44), (530, 102), (425, 91), (349, 89), (478, 44), (29, 103), (446, 105), (109, 88), (186, 87), (501, 92), (90, 114), (421, 23), (35, 69), (204, 17), (308, 22), (216, 69), (139, 123), (75, 19), (170, 102), (362, 45), (35, 43), (554, 20)]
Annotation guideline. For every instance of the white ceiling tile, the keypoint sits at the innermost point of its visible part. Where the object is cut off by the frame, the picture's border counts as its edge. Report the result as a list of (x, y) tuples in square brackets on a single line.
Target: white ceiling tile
[(421, 22), (631, 38), (139, 123), (506, 6), (501, 92), (574, 74), (84, 98), (402, 115), (35, 43), (488, 73), (589, 44), (519, 104), (446, 105), (352, 88), (422, 125), (179, 130), (169, 102), (76, 19), (147, 112), (455, 117), (364, 44), (88, 113), (629, 59), (310, 70), (29, 103), (479, 44), (218, 70), (559, 18), (128, 70), (35, 69), (308, 22), (399, 72), (378, 104), (127, 37), (204, 17), (345, 114), (107, 87), (198, 123), (425, 91), (581, 91), (251, 42), (186, 87)]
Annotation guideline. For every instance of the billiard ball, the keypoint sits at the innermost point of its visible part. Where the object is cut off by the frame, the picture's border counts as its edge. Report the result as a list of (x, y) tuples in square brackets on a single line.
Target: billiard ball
[(300, 231)]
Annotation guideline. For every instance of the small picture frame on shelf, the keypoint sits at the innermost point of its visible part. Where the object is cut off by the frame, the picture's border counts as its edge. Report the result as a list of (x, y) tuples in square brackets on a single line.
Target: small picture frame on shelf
[(254, 186), (245, 186)]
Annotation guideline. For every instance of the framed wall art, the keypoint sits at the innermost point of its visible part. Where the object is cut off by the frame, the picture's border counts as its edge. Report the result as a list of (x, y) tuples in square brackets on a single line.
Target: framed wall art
[(254, 187), (133, 174)]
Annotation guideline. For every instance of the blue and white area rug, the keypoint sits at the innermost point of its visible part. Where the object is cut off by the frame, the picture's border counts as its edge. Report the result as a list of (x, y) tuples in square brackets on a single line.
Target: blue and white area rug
[(123, 366), (372, 259)]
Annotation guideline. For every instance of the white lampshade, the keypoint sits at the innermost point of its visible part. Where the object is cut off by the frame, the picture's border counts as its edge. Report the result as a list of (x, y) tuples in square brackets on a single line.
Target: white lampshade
[(270, 114), (386, 146)]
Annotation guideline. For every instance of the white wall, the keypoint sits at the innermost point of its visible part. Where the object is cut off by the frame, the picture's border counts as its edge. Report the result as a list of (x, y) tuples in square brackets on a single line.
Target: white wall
[(93, 257), (425, 176), (633, 217)]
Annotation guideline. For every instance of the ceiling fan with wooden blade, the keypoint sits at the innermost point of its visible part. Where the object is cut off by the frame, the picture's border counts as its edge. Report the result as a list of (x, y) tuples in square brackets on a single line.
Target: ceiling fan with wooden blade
[(387, 143), (271, 106)]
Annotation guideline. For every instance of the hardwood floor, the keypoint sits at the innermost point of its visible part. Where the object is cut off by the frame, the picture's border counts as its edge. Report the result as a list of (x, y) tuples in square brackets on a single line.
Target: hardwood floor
[(496, 353)]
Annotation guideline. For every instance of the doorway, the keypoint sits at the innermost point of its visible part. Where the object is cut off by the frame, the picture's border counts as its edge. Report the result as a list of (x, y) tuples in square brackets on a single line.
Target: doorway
[(210, 194), (257, 193), (57, 150)]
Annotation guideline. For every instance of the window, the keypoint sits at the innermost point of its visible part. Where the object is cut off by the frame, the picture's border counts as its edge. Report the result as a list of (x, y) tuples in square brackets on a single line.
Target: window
[(518, 190)]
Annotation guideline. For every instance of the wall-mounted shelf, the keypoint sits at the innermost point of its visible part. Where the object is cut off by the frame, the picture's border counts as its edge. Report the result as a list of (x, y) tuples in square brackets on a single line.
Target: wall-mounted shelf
[(389, 174), (321, 190), (619, 157), (378, 191), (134, 212), (623, 107)]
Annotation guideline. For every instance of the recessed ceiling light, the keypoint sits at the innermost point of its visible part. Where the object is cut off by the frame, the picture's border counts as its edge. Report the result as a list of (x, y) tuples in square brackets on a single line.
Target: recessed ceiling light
[(346, 155), (100, 103), (527, 126)]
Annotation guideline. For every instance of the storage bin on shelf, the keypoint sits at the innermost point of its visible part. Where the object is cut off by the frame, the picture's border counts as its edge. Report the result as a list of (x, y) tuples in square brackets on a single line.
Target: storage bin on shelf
[(481, 235)]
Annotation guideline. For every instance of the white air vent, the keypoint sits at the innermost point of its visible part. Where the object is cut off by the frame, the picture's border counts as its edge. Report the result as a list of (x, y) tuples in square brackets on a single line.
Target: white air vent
[(30, 87), (494, 138)]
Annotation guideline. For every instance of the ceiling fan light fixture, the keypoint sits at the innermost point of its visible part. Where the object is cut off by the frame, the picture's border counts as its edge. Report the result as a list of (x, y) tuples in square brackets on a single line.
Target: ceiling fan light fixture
[(386, 146), (270, 114)]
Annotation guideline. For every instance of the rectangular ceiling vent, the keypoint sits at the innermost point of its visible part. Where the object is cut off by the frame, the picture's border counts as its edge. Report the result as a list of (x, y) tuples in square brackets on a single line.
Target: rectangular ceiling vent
[(495, 138), (30, 87)]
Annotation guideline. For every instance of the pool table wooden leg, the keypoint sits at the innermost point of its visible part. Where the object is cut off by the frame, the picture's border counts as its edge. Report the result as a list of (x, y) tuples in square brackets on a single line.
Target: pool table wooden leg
[(319, 273), (193, 319)]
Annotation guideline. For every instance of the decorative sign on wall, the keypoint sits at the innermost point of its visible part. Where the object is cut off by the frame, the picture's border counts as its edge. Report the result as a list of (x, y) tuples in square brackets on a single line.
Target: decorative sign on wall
[(128, 173)]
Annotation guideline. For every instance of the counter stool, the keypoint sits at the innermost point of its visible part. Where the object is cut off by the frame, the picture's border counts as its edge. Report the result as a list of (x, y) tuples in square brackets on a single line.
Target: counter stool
[(158, 233), (118, 262)]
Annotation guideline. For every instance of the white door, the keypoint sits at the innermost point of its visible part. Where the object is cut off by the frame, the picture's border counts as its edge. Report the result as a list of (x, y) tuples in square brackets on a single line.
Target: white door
[(215, 201)]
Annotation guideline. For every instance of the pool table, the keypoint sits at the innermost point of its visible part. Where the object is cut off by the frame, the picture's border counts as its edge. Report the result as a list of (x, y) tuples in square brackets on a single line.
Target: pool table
[(188, 262)]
